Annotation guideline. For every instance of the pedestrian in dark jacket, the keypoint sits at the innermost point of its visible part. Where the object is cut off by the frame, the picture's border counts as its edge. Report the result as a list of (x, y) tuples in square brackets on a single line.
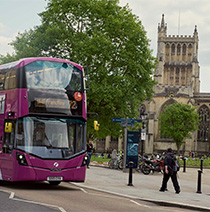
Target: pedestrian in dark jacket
[(89, 152), (169, 172)]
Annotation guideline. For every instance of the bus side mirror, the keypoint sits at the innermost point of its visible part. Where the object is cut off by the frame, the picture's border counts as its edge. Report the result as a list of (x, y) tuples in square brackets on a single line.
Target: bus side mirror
[(8, 127)]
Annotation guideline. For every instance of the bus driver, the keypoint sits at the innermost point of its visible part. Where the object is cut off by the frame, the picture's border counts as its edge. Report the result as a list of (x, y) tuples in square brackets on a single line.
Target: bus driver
[(39, 137)]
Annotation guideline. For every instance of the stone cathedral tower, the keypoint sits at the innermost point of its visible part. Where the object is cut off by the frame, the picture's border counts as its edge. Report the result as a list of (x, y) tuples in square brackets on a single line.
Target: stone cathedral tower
[(177, 76), (178, 79), (178, 70)]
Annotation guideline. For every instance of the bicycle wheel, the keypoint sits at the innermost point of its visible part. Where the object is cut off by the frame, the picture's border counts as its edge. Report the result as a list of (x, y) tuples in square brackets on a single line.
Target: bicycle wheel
[(111, 164), (120, 164)]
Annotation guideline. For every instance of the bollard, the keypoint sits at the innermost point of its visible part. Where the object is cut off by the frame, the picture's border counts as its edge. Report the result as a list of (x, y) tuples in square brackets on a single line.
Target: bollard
[(201, 165), (184, 167), (130, 173), (199, 182)]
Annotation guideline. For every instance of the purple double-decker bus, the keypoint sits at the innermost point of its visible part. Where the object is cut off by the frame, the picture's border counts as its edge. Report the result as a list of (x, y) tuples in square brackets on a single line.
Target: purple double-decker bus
[(42, 121)]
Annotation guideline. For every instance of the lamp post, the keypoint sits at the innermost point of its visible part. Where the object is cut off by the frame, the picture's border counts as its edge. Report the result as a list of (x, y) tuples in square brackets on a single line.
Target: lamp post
[(143, 116)]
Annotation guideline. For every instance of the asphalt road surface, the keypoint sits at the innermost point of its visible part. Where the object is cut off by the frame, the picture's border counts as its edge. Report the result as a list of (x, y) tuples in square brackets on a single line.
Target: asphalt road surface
[(42, 197)]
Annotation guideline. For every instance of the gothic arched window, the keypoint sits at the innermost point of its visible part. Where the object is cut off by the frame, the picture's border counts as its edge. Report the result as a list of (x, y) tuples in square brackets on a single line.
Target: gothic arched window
[(173, 49), (178, 49), (167, 49), (184, 50), (190, 49), (163, 107), (203, 131), (177, 76)]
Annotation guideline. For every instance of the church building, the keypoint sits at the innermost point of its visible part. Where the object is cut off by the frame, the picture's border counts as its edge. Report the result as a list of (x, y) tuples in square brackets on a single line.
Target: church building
[(178, 79)]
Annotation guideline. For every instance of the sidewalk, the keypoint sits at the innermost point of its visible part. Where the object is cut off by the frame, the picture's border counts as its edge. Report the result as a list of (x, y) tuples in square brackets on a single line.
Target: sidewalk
[(146, 187)]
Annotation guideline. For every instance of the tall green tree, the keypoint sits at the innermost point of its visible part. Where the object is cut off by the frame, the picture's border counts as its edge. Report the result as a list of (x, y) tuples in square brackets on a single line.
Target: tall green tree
[(110, 40), (177, 122)]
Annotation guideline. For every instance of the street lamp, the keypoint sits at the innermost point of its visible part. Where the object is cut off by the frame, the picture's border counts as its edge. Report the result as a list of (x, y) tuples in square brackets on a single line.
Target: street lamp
[(143, 116)]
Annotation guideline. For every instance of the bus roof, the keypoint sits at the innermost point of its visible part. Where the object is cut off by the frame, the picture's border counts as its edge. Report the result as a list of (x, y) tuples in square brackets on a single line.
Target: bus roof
[(23, 62)]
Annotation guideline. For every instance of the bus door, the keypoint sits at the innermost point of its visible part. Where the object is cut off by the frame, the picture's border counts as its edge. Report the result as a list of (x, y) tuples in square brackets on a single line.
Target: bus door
[(6, 157)]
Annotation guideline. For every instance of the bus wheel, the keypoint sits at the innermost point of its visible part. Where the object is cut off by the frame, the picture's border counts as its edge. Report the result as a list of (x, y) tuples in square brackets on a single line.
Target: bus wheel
[(54, 182)]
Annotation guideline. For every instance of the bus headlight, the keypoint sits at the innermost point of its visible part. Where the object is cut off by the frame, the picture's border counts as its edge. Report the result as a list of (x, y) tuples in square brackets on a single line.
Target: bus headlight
[(21, 159), (84, 162)]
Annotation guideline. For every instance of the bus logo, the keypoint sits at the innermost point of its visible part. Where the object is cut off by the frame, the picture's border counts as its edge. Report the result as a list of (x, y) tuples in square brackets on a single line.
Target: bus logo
[(78, 96), (56, 164)]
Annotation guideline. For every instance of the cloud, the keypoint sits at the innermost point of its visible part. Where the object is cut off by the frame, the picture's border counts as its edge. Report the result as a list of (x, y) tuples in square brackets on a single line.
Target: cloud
[(4, 30), (4, 45), (6, 37)]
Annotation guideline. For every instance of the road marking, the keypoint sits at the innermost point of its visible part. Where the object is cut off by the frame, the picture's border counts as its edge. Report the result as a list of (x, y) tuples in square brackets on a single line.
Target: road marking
[(102, 195), (146, 206), (83, 190), (12, 194), (40, 203)]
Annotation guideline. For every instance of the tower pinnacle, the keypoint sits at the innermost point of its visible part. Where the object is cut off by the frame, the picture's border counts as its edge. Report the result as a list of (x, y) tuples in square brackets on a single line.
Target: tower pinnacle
[(162, 21), (162, 28)]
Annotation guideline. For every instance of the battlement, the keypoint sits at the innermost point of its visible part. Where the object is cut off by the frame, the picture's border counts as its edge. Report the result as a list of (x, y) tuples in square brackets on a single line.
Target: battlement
[(180, 36)]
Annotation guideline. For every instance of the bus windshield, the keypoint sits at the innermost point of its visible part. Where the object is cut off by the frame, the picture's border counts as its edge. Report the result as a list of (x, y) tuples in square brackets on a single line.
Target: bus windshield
[(54, 75), (50, 137)]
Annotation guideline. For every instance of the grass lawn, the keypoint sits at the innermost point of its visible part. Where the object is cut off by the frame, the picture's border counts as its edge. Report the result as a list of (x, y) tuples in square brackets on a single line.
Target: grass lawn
[(190, 162), (99, 159), (195, 162)]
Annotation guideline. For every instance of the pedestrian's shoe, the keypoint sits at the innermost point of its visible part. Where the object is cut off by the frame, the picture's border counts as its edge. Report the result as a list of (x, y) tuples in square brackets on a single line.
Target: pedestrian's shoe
[(177, 192), (163, 189), (88, 167)]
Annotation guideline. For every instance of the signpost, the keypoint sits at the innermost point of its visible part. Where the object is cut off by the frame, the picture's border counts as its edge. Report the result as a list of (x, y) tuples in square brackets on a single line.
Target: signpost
[(131, 141), (122, 121)]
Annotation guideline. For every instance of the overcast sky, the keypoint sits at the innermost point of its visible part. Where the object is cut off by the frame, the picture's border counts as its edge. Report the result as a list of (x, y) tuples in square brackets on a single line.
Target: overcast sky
[(20, 15)]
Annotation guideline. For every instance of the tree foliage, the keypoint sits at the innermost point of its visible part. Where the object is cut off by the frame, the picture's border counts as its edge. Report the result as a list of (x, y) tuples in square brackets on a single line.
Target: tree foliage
[(177, 121), (110, 40)]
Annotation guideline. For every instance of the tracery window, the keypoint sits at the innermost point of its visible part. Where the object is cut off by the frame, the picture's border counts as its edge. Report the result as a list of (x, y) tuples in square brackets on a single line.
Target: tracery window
[(184, 49), (177, 76), (203, 131), (178, 49), (190, 49), (173, 49), (167, 103)]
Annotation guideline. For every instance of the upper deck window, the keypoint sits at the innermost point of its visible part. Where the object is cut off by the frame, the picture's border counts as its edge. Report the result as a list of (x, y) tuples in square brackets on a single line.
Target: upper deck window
[(53, 75)]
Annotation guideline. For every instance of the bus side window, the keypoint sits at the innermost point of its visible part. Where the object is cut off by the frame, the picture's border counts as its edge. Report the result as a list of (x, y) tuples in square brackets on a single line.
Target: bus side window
[(2, 81), (8, 138), (10, 80)]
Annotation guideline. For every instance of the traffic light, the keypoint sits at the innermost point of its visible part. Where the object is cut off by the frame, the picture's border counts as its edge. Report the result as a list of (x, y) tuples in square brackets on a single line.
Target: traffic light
[(96, 125)]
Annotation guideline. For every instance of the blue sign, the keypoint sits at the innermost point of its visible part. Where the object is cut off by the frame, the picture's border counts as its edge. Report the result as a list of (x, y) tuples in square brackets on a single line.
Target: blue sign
[(132, 148), (122, 121), (117, 120)]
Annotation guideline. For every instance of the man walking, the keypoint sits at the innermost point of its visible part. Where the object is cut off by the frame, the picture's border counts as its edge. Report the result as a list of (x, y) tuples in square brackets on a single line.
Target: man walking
[(89, 152), (170, 171)]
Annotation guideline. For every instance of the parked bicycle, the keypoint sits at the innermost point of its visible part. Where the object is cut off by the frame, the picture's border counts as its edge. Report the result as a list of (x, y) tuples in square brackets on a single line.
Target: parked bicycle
[(116, 163)]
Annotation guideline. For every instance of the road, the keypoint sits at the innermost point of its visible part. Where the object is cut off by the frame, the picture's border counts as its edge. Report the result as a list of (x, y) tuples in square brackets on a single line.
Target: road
[(42, 197)]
